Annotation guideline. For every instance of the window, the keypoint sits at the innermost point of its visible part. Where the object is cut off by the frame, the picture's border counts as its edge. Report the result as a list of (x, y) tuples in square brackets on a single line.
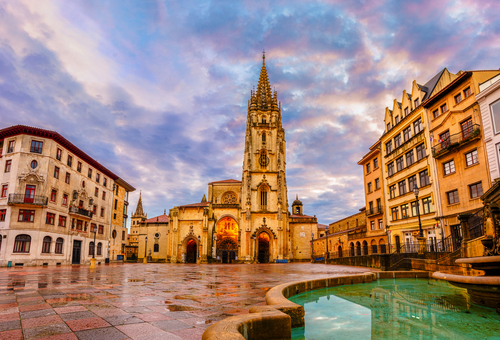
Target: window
[(101, 229), (102, 212), (380, 224), (377, 183), (427, 205), (8, 164), (372, 223), (444, 108), (407, 111), (65, 199), (400, 164), (417, 126), (97, 177), (99, 249), (94, 209), (83, 184), (12, 143), (26, 215), (404, 211), (410, 158), (3, 212), (70, 160), (495, 113), (414, 208), (467, 128), (93, 228), (79, 167), (50, 219), (435, 113), (417, 102), (368, 168), (5, 188), (388, 126), (424, 178), (390, 169), (375, 163), (412, 181), (449, 167), (396, 120), (90, 173), (116, 203), (458, 98), (114, 216), (471, 158), (395, 213), (53, 195), (46, 244), (123, 235), (402, 187), (96, 192), (407, 133), (104, 195), (36, 147), (34, 164), (420, 151), (117, 189), (22, 244), (104, 181), (370, 187), (79, 225), (263, 198), (467, 92), (392, 191), (68, 178), (444, 139), (62, 221), (397, 141), (59, 246), (91, 249), (58, 154), (452, 197), (476, 190), (388, 147), (56, 172)]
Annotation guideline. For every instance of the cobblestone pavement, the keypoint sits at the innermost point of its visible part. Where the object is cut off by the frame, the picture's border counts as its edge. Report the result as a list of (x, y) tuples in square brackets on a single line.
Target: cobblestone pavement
[(137, 301)]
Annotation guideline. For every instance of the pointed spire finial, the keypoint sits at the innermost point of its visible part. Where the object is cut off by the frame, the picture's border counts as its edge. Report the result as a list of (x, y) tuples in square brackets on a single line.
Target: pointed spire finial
[(297, 197)]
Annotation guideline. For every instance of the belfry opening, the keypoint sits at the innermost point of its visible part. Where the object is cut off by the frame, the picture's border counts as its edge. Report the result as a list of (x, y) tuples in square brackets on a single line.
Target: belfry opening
[(227, 240)]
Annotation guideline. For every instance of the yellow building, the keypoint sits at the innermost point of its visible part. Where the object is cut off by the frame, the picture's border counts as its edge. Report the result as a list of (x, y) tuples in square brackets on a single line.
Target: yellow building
[(118, 233), (459, 148)]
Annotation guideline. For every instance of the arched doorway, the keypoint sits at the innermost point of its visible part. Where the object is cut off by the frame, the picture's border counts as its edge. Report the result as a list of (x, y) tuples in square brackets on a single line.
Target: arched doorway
[(263, 240), (340, 251), (398, 244), (227, 240), (365, 248), (191, 251), (358, 249), (351, 251), (374, 247)]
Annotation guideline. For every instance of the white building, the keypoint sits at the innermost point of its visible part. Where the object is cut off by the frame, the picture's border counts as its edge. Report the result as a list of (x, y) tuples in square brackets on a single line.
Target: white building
[(53, 196), (489, 102)]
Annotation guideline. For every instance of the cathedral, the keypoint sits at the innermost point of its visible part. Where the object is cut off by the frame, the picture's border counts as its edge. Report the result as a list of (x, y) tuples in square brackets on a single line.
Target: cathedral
[(243, 221)]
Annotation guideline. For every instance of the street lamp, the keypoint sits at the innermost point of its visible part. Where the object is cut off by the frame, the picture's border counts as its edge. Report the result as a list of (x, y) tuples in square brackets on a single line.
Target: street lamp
[(312, 247), (199, 247), (254, 248), (326, 230), (145, 251), (415, 191), (92, 260)]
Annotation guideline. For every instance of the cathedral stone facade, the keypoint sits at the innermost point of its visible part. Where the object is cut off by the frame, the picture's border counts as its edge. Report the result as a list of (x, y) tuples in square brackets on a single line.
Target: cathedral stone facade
[(241, 221)]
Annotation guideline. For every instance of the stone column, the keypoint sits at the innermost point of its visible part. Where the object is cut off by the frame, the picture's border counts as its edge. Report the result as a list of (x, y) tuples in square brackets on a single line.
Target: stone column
[(464, 223)]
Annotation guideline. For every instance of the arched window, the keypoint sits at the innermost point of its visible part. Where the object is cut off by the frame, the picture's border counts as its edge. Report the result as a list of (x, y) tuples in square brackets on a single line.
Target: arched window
[(263, 160), (59, 246), (229, 198), (99, 249), (264, 137), (263, 198), (264, 121), (156, 247), (22, 244), (374, 247), (91, 248), (46, 244)]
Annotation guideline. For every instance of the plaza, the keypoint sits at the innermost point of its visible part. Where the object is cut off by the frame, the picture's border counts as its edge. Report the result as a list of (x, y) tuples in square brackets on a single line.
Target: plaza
[(137, 301)]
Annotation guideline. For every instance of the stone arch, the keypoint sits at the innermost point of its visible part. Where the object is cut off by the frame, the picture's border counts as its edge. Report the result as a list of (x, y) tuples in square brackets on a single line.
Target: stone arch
[(190, 246), (263, 244), (229, 197), (381, 244), (227, 238), (365, 248), (339, 251), (358, 248), (352, 251), (373, 244)]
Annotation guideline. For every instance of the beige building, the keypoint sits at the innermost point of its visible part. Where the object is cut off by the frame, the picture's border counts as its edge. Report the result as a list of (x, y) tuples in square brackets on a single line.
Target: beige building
[(53, 197), (459, 148), (119, 217)]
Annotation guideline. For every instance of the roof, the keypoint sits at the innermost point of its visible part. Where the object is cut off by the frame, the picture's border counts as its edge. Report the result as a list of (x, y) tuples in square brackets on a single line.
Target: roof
[(302, 216), (33, 131), (158, 219), (194, 205), (322, 226), (226, 181), (431, 84), (445, 89), (124, 184)]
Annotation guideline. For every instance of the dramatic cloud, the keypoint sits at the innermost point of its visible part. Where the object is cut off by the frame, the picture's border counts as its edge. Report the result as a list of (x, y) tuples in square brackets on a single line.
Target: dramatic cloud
[(157, 90)]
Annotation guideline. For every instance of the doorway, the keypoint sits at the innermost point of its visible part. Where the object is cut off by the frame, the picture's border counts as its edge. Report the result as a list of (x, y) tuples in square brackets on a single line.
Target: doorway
[(29, 194), (398, 244), (191, 251), (77, 249), (456, 236), (263, 256)]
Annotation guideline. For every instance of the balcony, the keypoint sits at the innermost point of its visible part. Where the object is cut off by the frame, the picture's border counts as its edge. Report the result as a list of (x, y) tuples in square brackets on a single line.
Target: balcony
[(457, 140), (80, 212), (374, 211), (22, 199)]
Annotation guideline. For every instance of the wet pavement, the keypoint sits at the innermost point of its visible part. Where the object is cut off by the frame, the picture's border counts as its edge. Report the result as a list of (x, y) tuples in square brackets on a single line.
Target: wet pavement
[(137, 301)]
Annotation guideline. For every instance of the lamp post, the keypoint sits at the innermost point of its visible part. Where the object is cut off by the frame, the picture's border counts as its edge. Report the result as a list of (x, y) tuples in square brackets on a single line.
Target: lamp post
[(312, 247), (199, 249), (145, 251), (92, 260), (326, 243), (421, 239), (254, 248)]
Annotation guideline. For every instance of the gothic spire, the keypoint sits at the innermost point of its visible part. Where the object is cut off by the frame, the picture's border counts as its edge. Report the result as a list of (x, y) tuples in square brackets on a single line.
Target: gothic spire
[(263, 94), (139, 211)]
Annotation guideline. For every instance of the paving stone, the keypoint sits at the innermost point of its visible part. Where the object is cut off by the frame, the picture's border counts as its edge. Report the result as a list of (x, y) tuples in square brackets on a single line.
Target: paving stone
[(37, 313), (108, 333), (45, 331), (170, 325), (9, 317), (90, 323), (43, 321), (70, 309), (77, 315), (139, 329), (178, 315), (15, 334), (116, 320), (189, 333), (10, 325), (153, 317)]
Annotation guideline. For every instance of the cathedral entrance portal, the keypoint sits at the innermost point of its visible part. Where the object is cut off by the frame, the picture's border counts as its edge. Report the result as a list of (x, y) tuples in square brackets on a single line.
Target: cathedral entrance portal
[(191, 251), (227, 240), (263, 248)]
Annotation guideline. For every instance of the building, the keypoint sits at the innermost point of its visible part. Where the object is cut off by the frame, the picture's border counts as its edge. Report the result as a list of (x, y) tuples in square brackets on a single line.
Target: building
[(375, 234), (488, 99), (407, 162), (133, 240), (54, 200), (459, 150), (243, 221), (119, 218)]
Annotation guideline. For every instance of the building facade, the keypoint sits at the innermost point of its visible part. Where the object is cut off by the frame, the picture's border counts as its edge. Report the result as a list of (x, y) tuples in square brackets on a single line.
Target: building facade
[(119, 231), (54, 200)]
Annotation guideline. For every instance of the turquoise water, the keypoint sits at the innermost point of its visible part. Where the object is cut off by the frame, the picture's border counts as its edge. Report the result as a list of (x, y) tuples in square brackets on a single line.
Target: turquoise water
[(395, 309)]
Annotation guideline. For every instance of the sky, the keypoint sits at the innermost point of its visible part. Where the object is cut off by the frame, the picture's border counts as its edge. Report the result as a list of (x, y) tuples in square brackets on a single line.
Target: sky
[(157, 91)]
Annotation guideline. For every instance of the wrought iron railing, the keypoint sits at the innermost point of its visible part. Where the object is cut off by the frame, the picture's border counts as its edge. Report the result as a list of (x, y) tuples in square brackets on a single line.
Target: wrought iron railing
[(80, 211), (27, 199), (374, 211), (476, 224), (455, 140)]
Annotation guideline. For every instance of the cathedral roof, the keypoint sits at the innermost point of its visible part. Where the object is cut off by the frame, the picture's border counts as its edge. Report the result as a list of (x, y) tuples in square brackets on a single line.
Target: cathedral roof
[(226, 181), (264, 97), (158, 219), (139, 211), (301, 216), (201, 204), (297, 201)]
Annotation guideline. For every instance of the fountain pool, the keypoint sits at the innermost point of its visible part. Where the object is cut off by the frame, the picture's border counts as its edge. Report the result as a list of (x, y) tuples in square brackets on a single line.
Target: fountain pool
[(395, 309)]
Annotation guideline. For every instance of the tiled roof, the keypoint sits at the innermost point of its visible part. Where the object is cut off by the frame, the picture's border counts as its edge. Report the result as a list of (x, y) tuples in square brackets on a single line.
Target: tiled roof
[(158, 219), (226, 181), (201, 204), (322, 226), (302, 216)]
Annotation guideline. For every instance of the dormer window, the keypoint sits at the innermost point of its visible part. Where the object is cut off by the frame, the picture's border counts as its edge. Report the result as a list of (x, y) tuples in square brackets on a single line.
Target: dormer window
[(388, 126), (396, 119), (407, 111), (417, 102)]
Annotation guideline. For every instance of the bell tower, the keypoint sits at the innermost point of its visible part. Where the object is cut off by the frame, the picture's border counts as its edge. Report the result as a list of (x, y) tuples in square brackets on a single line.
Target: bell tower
[(264, 203)]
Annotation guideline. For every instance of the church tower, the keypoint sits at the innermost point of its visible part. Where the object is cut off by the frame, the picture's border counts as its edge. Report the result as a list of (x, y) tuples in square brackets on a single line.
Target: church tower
[(264, 203)]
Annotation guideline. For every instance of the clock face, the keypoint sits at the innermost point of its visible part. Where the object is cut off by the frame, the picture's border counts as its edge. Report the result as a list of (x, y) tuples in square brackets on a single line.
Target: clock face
[(263, 160)]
